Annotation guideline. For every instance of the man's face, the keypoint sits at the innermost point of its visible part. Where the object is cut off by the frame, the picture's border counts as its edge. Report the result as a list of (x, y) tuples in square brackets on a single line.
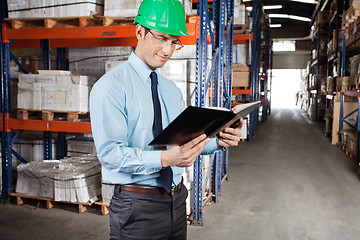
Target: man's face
[(154, 48)]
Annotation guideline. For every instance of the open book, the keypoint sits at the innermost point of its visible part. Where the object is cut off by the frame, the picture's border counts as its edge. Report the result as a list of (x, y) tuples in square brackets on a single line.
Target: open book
[(194, 121)]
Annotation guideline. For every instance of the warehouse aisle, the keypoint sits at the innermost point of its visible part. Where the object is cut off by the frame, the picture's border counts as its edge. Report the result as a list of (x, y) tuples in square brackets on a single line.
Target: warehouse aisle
[(289, 183)]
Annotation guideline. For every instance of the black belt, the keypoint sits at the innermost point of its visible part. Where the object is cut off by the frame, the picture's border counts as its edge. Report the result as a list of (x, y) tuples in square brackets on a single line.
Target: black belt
[(148, 189)]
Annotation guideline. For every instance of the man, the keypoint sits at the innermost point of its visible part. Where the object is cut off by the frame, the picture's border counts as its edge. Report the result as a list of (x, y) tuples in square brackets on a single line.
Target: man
[(129, 105)]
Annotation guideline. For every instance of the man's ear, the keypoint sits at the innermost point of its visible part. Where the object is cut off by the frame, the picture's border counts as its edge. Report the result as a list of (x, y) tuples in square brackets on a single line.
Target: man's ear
[(139, 32)]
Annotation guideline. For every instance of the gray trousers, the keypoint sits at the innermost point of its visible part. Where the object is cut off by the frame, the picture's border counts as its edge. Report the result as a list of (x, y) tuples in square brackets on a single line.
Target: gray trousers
[(148, 216)]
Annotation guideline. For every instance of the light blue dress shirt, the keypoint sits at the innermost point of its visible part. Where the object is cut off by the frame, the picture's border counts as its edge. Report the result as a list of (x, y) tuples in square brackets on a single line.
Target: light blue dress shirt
[(121, 111)]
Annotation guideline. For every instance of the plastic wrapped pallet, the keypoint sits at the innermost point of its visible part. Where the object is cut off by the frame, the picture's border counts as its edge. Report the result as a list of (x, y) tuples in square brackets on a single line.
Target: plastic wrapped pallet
[(54, 8), (111, 64), (30, 150), (240, 15), (189, 52), (107, 191), (71, 180), (177, 71), (241, 54), (121, 8), (91, 61), (54, 90), (129, 8), (79, 147)]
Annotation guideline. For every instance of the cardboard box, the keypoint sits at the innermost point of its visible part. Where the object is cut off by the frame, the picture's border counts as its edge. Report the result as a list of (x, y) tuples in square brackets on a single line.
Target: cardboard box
[(348, 108), (241, 68), (241, 79)]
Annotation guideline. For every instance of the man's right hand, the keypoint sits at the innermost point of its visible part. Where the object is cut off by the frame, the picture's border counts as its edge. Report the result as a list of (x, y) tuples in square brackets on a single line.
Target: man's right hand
[(184, 155)]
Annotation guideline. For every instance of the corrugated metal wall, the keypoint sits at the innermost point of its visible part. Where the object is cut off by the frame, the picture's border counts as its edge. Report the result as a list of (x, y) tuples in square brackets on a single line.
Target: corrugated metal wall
[(291, 60)]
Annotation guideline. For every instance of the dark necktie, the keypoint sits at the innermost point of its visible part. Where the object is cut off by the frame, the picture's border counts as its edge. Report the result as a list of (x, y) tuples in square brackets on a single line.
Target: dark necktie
[(166, 174)]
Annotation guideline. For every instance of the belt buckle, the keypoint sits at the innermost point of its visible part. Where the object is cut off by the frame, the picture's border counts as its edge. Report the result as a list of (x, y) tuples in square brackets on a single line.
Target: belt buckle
[(172, 191)]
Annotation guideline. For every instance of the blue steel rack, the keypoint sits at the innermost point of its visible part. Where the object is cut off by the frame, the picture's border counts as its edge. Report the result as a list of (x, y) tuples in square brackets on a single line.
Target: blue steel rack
[(267, 74), (220, 94), (343, 119), (255, 65), (221, 86)]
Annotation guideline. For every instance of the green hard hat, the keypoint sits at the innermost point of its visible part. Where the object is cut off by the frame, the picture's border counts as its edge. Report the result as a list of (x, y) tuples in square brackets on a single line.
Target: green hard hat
[(166, 16)]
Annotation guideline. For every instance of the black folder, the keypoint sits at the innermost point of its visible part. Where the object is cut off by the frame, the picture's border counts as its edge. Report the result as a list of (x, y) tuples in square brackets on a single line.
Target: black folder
[(194, 121)]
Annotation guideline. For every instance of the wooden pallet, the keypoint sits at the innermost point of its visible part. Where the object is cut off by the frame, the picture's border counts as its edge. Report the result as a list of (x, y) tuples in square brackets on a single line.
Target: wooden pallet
[(87, 21), (50, 203), (242, 31), (240, 27), (242, 87), (104, 207), (45, 115)]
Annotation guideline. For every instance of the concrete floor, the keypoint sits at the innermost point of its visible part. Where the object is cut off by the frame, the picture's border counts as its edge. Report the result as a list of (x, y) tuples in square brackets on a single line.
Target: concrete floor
[(289, 183)]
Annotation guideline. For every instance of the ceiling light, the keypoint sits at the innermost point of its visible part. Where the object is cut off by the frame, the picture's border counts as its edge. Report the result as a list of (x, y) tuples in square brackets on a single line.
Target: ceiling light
[(274, 25), (304, 19), (272, 7), (278, 16), (306, 1)]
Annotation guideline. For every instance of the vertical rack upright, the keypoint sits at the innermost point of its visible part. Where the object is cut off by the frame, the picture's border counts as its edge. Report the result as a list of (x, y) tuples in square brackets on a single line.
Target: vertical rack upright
[(255, 65), (221, 85), (266, 86), (5, 109), (346, 48), (220, 92)]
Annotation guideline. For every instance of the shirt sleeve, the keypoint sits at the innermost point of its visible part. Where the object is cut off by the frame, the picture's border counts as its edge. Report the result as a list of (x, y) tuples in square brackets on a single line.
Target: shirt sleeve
[(210, 148), (108, 112)]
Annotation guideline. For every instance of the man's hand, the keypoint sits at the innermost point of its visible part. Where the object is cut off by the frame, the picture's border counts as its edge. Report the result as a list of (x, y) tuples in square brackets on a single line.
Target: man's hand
[(184, 155), (230, 137)]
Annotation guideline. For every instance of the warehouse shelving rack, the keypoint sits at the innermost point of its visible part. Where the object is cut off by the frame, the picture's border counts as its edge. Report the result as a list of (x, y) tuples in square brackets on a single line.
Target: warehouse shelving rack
[(221, 38), (265, 83), (333, 62), (255, 65), (343, 119), (355, 94), (221, 86)]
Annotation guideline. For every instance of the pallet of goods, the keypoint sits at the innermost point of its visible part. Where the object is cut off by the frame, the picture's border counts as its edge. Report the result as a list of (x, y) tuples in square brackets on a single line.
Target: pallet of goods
[(52, 8), (71, 180), (54, 91)]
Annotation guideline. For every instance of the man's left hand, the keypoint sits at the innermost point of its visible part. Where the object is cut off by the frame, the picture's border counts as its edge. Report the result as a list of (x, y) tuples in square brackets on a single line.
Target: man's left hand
[(230, 136)]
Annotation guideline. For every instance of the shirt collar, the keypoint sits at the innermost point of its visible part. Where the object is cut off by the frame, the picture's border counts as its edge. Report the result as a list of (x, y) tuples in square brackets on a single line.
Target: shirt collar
[(140, 67)]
